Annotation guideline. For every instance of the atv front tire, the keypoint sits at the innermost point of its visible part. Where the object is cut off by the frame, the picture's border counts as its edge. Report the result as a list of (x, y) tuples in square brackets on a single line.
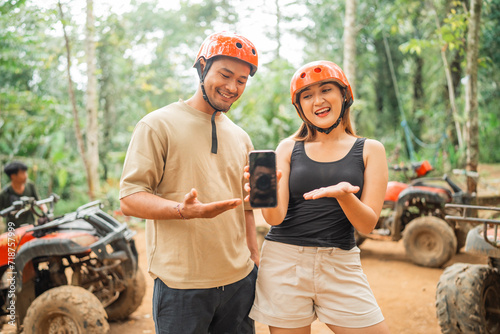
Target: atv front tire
[(429, 241), (129, 299), (66, 309), (468, 299)]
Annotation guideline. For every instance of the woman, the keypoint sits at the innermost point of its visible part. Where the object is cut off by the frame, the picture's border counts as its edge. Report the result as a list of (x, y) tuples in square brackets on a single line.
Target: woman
[(331, 182)]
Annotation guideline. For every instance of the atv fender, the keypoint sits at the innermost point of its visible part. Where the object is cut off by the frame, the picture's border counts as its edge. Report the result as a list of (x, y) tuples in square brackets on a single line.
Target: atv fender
[(476, 244), (405, 196), (123, 250), (44, 247)]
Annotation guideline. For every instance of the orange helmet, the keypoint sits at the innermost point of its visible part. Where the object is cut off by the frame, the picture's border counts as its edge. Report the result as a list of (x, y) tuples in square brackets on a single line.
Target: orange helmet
[(318, 71), (230, 45)]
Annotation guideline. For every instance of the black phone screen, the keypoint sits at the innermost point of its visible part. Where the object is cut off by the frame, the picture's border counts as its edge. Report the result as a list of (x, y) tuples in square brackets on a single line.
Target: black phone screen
[(263, 179)]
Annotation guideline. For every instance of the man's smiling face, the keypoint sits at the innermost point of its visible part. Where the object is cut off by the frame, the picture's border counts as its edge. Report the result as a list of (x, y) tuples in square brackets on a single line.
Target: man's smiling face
[(225, 81)]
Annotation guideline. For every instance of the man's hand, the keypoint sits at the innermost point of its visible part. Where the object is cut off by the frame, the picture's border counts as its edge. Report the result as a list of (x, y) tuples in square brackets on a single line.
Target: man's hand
[(193, 208), (336, 191), (255, 258)]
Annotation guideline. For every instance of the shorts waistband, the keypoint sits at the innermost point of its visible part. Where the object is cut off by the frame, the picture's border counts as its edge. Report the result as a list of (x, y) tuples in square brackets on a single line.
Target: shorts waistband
[(309, 249), (314, 250)]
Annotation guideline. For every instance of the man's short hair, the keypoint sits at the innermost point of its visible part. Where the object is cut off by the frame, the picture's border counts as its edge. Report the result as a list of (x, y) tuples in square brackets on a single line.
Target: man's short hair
[(14, 167)]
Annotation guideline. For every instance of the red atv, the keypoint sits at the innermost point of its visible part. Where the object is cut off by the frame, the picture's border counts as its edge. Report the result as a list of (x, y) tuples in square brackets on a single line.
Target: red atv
[(67, 274), (415, 211)]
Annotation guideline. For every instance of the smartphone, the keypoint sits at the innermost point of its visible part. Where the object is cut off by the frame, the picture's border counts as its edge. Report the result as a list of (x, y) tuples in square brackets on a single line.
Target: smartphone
[(263, 181)]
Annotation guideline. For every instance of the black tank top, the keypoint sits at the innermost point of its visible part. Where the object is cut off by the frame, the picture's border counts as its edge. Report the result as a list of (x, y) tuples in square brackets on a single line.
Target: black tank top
[(320, 222)]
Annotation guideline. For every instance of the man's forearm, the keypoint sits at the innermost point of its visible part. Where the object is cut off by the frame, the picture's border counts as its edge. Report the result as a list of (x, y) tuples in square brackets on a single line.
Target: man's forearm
[(252, 236), (148, 206)]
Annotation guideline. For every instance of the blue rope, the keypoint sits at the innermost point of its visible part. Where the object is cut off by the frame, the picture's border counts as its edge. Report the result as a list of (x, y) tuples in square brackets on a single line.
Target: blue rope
[(405, 125), (436, 146)]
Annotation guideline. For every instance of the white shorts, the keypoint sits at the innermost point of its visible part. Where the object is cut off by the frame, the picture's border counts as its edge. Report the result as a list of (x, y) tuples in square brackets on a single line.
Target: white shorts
[(296, 285)]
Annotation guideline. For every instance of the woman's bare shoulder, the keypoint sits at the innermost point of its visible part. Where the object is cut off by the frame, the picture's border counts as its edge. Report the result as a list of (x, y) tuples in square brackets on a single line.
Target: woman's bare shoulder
[(374, 146), (374, 151), (285, 148), (286, 145)]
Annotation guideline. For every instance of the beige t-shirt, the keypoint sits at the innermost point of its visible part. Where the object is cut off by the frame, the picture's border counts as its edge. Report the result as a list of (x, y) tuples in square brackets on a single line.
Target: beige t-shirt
[(169, 154)]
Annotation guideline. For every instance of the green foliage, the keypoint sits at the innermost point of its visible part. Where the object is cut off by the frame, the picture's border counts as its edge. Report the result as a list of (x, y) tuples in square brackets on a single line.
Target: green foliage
[(489, 83), (268, 118), (417, 46)]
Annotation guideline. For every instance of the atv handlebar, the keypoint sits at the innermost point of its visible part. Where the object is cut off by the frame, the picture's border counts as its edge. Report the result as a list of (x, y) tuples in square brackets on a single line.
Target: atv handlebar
[(88, 205), (453, 185), (15, 206), (468, 173), (28, 204), (420, 168), (400, 168)]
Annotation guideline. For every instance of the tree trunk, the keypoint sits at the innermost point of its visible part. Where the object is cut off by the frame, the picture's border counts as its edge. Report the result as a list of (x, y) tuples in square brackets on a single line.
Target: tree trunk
[(91, 104), (451, 90), (108, 111), (418, 93), (350, 34), (471, 107), (278, 29), (78, 131), (456, 71)]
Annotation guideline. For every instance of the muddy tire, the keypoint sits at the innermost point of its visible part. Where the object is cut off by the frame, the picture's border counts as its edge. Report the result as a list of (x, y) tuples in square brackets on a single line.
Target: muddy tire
[(467, 297), (429, 241), (66, 309), (129, 300)]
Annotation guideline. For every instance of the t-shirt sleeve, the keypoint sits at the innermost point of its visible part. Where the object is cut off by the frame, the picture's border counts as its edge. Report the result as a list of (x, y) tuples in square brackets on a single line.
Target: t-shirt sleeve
[(144, 162)]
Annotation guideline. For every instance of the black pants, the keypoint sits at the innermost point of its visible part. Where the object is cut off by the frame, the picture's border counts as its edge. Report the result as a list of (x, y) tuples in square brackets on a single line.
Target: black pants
[(222, 310)]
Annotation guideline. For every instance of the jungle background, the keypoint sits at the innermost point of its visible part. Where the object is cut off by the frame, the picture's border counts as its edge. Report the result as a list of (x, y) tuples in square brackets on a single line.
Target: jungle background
[(76, 76)]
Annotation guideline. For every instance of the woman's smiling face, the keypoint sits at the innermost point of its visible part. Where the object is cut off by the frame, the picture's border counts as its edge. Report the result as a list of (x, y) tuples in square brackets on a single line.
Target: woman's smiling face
[(321, 103)]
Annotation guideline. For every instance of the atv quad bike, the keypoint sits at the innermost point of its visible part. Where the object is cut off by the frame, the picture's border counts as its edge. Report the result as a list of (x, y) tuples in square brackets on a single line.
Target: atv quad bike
[(468, 295), (415, 211), (67, 274)]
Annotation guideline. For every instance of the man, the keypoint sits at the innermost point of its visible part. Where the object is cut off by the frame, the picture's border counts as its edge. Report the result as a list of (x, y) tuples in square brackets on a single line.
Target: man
[(184, 173), (19, 186)]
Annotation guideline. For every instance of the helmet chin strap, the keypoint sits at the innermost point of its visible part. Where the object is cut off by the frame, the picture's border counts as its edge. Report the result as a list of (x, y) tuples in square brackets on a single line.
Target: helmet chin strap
[(202, 76)]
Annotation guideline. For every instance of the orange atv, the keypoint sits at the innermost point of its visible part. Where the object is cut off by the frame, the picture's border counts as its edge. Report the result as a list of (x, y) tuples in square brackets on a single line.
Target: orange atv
[(68, 274), (415, 212)]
